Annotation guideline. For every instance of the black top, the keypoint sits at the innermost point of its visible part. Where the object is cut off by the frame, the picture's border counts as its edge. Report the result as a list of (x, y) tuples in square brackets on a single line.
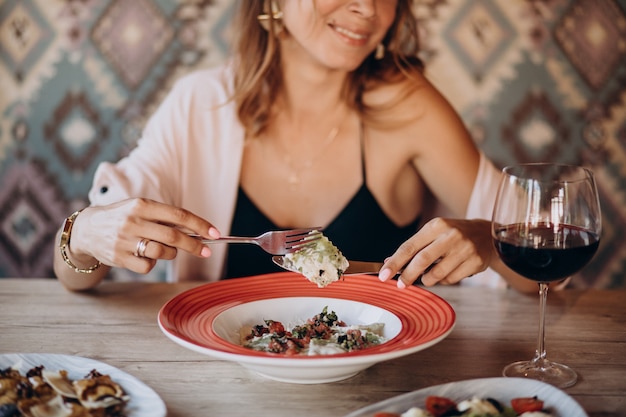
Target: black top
[(361, 231)]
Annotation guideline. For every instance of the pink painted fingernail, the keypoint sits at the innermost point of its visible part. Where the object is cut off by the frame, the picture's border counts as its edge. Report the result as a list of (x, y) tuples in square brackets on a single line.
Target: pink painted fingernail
[(214, 233), (206, 252), (401, 284), (384, 275)]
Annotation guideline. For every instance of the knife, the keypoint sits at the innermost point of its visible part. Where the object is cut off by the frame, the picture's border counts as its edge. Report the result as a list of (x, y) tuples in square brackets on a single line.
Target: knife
[(363, 267), (373, 268), (354, 267)]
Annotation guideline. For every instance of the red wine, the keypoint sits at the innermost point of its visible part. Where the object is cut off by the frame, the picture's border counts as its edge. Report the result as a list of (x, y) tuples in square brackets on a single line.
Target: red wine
[(544, 254)]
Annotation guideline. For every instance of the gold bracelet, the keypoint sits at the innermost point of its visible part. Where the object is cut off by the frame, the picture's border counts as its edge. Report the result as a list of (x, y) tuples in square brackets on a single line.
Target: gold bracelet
[(65, 242)]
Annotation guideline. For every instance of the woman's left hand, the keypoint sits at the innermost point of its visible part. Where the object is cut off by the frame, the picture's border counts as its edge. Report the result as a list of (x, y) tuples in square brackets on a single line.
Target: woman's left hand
[(443, 251)]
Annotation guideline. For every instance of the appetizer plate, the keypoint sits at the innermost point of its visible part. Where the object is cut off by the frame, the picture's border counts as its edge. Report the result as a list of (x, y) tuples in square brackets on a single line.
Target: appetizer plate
[(144, 402), (501, 389), (207, 319)]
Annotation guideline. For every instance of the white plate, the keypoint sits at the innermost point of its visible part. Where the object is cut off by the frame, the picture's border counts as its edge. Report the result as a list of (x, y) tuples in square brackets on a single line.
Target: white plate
[(144, 402), (501, 389)]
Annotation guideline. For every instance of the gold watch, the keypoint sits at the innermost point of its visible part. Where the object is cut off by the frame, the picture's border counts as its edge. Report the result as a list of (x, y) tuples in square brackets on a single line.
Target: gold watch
[(65, 242)]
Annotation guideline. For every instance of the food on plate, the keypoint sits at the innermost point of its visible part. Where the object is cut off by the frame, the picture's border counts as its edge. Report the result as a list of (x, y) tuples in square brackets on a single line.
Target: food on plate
[(436, 406), (45, 393), (322, 334), (322, 263)]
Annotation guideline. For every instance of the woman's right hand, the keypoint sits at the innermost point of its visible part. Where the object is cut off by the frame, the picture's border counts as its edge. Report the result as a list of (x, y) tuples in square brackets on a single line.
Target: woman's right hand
[(112, 235)]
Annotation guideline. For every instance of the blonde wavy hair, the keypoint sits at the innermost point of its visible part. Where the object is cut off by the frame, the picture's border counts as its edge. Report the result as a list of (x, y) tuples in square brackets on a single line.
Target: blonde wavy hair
[(258, 76)]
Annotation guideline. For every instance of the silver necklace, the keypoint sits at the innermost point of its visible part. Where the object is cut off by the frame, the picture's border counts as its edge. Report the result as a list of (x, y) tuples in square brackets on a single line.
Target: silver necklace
[(297, 167)]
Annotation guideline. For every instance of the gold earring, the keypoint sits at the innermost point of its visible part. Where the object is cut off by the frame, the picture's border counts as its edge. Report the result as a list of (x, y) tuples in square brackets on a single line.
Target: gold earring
[(380, 51), (272, 16)]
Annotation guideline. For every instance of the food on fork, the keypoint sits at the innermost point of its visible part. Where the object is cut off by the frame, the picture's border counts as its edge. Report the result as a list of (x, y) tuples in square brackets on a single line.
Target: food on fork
[(322, 334), (44, 393), (321, 263)]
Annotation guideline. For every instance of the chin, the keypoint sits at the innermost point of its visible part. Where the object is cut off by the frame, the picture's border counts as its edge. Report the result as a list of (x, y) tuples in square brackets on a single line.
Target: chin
[(347, 65)]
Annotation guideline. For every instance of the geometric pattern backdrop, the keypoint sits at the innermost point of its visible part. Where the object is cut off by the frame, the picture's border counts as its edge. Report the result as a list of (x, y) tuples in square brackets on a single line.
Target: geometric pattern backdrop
[(533, 81)]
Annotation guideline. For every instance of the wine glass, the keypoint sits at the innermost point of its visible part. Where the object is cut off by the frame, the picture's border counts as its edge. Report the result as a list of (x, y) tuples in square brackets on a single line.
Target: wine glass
[(546, 226)]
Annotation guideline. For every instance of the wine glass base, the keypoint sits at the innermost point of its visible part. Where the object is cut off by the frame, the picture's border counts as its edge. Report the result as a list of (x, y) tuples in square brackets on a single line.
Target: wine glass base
[(557, 374)]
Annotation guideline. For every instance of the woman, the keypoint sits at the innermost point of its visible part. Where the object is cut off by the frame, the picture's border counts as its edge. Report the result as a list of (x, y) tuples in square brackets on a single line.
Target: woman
[(322, 118)]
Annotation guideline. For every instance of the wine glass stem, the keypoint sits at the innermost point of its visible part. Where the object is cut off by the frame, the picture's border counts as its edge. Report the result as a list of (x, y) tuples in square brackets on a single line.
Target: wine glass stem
[(540, 354)]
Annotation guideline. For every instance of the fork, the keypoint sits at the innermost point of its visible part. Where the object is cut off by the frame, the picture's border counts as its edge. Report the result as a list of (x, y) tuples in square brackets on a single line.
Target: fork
[(276, 242)]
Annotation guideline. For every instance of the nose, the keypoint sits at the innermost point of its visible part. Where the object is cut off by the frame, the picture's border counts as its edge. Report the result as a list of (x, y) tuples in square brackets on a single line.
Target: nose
[(365, 8)]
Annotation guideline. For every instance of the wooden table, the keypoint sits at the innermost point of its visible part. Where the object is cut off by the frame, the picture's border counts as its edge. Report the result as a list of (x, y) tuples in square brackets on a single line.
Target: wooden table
[(116, 324)]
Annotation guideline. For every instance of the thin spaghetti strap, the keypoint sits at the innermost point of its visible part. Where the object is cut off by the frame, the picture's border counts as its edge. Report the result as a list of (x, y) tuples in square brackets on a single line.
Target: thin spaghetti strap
[(362, 142)]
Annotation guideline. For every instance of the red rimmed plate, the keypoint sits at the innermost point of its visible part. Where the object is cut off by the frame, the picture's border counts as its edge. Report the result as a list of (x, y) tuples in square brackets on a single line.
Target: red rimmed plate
[(207, 319)]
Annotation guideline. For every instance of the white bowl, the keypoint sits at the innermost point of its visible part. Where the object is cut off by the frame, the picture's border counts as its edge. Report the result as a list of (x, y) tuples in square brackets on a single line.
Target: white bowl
[(207, 319)]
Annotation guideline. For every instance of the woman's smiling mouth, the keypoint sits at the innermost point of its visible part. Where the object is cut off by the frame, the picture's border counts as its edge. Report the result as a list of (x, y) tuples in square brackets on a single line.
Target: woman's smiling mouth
[(349, 34)]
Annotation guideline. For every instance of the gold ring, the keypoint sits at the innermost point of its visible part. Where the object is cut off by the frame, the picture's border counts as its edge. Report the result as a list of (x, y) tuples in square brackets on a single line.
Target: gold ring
[(140, 250)]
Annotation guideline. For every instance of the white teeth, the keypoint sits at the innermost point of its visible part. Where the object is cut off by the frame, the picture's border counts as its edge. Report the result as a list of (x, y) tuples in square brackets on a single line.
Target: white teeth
[(349, 34)]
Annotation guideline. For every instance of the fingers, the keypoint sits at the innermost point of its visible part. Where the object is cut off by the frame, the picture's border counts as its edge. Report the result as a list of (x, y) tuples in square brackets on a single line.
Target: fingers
[(184, 220), (134, 233), (167, 228), (413, 257), (164, 241), (442, 252), (143, 255), (154, 250), (140, 265), (446, 275)]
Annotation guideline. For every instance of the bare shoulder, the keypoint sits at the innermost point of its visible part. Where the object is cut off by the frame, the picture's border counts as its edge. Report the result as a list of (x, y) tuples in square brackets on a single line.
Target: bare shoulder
[(429, 131), (414, 108), (413, 92)]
